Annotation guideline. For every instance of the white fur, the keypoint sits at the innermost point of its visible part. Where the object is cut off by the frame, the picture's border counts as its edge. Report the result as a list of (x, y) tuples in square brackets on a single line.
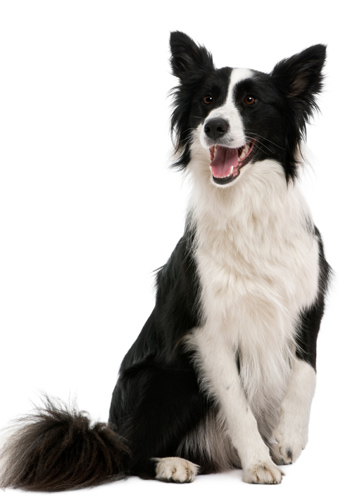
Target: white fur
[(258, 268), (175, 469), (291, 434)]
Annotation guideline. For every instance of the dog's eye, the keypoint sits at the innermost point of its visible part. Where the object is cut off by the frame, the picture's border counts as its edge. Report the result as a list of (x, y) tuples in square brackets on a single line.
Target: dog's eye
[(207, 99), (250, 100)]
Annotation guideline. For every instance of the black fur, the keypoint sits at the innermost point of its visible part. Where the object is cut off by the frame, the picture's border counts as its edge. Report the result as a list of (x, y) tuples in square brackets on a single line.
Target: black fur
[(310, 320), (59, 449), (157, 377)]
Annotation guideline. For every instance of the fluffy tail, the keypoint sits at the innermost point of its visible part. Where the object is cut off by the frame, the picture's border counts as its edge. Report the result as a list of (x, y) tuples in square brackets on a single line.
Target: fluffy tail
[(58, 449)]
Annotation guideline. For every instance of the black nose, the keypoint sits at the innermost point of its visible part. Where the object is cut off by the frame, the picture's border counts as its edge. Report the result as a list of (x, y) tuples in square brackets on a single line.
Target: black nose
[(216, 128)]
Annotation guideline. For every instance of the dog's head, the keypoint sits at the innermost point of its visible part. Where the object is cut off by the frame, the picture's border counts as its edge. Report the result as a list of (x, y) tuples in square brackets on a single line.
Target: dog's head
[(233, 118)]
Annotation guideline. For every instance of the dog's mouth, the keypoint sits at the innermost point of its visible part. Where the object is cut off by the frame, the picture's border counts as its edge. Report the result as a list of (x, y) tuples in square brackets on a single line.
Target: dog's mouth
[(226, 163)]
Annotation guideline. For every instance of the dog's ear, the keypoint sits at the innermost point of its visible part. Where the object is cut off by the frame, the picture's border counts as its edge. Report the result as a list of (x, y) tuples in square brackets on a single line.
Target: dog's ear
[(187, 57), (300, 78)]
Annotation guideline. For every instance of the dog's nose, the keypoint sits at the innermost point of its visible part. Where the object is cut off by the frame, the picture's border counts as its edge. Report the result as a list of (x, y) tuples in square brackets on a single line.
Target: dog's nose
[(216, 128)]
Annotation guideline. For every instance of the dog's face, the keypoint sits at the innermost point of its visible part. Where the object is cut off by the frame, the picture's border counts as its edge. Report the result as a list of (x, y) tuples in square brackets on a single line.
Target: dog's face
[(232, 118), (239, 121)]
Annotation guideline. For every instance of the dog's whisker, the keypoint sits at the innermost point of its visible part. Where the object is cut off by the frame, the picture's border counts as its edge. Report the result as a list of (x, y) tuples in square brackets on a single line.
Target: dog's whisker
[(260, 145), (257, 136)]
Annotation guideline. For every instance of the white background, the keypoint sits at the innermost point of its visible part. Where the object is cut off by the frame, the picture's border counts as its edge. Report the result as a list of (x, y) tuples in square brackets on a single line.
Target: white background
[(89, 207)]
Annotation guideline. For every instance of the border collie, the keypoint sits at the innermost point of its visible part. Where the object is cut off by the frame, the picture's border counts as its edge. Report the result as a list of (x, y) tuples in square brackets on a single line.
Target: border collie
[(222, 374)]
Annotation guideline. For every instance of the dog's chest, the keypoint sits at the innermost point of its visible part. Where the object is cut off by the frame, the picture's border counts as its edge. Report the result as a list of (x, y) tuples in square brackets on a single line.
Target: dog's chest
[(258, 270), (260, 257), (252, 266)]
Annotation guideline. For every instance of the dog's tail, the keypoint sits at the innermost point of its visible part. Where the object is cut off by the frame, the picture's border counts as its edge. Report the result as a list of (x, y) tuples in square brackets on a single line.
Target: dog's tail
[(58, 449)]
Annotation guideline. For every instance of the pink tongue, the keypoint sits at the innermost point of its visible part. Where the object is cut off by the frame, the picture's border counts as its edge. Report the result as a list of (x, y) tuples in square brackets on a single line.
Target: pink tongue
[(223, 162)]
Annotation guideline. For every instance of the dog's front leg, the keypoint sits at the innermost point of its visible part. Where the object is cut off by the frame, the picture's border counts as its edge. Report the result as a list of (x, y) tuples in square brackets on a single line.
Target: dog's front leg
[(291, 433), (220, 378)]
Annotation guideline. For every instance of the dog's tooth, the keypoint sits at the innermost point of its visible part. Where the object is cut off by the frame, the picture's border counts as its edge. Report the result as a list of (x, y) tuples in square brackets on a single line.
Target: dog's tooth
[(244, 152)]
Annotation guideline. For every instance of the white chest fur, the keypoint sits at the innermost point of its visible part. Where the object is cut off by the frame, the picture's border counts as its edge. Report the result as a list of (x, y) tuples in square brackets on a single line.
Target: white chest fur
[(258, 268)]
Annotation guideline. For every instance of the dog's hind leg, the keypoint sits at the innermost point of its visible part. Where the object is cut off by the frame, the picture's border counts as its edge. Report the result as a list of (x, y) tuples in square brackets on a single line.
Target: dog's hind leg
[(153, 409), (291, 434)]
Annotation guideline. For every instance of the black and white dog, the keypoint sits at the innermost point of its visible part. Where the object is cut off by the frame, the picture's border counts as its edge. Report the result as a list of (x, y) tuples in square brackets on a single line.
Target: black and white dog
[(223, 373)]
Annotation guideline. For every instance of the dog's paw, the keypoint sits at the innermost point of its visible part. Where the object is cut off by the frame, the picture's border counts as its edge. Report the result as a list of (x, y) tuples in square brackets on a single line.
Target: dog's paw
[(285, 453), (288, 442), (175, 469), (263, 473)]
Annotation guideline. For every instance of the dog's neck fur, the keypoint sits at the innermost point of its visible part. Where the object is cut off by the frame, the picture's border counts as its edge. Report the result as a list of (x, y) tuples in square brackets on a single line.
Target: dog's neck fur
[(257, 196), (256, 220)]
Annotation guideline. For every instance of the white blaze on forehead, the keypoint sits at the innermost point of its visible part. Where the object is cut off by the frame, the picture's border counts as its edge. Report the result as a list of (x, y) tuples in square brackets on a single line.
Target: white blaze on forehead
[(237, 76), (228, 111)]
